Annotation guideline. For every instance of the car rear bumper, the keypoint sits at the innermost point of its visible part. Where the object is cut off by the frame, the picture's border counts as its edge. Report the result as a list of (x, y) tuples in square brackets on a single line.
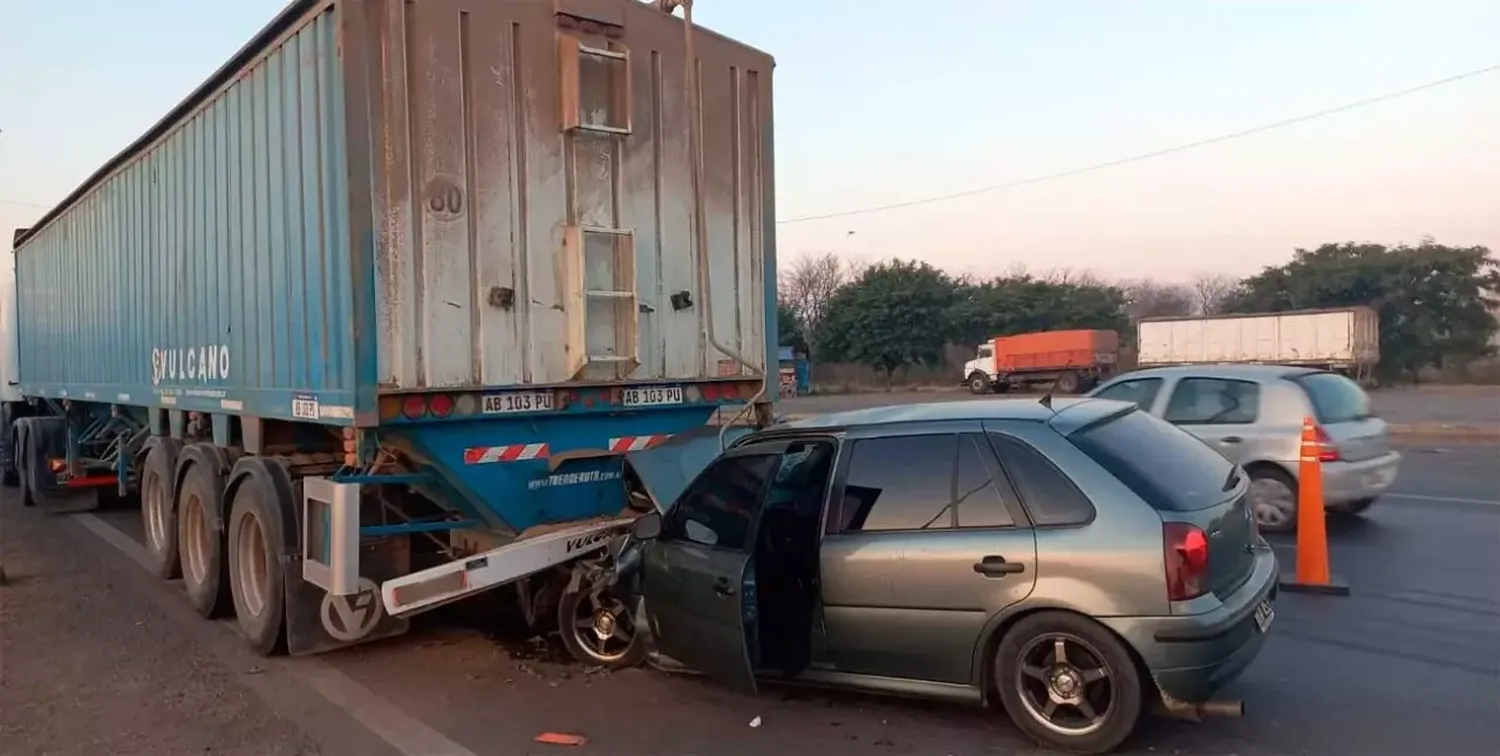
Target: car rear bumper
[(1365, 479), (1191, 657)]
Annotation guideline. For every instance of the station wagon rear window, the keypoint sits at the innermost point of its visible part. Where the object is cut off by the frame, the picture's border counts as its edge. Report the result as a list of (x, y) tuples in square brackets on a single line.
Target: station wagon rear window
[(1164, 465), (1335, 399)]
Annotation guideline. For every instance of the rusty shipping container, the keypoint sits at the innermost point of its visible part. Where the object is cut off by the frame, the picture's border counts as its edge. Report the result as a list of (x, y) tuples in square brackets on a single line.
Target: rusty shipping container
[(384, 196)]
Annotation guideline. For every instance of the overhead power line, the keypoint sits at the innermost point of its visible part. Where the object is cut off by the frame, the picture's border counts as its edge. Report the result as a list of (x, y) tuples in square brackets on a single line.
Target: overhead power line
[(1096, 166), (1145, 155)]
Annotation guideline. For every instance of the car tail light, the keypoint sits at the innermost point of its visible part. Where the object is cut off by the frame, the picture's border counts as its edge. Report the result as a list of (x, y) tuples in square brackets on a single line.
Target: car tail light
[(414, 406), (1186, 549), (440, 405), (1328, 451)]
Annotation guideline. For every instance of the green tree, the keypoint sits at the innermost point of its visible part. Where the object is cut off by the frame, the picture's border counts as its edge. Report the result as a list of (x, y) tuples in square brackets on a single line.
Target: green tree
[(789, 328), (1025, 304), (1435, 301), (896, 314)]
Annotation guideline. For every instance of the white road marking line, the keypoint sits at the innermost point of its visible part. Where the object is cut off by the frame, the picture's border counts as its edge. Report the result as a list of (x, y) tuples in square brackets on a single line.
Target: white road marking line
[(389, 722), (1454, 499)]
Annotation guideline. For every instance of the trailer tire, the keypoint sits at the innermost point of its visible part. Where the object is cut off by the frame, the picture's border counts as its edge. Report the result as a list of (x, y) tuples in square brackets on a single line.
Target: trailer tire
[(22, 456), (158, 511), (257, 551), (1068, 383), (10, 477), (200, 534)]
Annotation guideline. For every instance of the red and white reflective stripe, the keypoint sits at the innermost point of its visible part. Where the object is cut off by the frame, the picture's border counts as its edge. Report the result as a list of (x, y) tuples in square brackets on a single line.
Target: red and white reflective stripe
[(483, 455), (636, 443)]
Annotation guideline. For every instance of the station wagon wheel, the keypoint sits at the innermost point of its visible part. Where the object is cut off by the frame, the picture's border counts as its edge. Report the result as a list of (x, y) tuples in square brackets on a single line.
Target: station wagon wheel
[(597, 627), (1068, 682)]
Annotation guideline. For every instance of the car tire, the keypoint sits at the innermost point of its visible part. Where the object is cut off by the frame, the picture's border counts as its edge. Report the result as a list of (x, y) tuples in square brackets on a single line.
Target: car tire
[(578, 616), (1093, 687), (979, 384), (1271, 489)]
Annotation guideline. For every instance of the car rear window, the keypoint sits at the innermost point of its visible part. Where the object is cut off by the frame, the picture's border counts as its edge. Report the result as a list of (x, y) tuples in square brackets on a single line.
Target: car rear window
[(1168, 467), (1335, 399)]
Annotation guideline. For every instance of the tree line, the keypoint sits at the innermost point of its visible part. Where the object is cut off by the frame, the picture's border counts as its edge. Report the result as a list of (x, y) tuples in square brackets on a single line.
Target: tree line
[(1436, 303)]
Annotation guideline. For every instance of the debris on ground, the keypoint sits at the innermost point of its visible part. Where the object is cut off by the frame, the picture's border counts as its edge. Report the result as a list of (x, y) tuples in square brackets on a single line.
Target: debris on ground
[(561, 738), (755, 722)]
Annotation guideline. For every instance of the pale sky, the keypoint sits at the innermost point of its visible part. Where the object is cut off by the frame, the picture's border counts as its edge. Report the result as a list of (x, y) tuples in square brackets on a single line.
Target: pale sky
[(877, 103)]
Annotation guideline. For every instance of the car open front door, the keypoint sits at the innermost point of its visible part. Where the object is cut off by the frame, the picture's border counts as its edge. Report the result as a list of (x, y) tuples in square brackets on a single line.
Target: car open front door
[(697, 574)]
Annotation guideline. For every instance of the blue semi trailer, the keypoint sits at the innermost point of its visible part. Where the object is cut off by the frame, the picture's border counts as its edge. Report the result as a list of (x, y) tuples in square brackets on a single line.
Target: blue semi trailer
[(370, 321)]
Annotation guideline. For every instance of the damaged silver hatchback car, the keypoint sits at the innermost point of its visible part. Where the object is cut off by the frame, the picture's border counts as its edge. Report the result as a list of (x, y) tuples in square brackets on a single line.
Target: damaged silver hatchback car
[(1071, 563)]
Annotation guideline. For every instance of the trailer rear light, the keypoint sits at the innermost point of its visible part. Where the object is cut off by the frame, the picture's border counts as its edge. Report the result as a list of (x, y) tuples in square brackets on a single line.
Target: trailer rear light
[(1328, 451), (709, 391), (729, 390), (1186, 552), (440, 405), (57, 465), (414, 406)]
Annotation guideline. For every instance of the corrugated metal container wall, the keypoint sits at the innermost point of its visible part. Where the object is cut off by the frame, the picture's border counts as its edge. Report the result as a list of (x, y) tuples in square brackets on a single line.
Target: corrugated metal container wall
[(1343, 336), (511, 249), (214, 264)]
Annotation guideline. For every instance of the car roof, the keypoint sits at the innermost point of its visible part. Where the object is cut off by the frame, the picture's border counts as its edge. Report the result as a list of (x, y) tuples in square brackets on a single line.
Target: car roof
[(1225, 370), (1080, 410)]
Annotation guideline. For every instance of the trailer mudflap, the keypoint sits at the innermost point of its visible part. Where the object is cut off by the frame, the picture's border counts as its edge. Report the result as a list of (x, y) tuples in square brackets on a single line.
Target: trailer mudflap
[(317, 621), (664, 471)]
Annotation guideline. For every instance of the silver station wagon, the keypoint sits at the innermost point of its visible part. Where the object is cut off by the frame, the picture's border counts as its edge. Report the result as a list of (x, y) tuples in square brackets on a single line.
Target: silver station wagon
[(1072, 563), (1253, 415)]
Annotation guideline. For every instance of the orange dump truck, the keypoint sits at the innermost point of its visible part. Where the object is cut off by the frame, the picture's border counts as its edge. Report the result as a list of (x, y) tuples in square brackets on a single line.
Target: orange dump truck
[(1073, 360)]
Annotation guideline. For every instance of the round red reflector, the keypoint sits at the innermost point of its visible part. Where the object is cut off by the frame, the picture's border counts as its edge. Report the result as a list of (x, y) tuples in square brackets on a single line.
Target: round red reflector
[(413, 406), (710, 392), (440, 405)]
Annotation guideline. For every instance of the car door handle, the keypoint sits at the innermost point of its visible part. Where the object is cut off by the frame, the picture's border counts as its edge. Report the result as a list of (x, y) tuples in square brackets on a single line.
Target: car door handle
[(1231, 440), (994, 566), (723, 588)]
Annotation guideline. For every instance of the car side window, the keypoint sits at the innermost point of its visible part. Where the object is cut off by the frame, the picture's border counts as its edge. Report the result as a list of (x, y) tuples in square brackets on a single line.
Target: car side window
[(1141, 392), (720, 507), (976, 499), (899, 483), (1050, 497), (1213, 401)]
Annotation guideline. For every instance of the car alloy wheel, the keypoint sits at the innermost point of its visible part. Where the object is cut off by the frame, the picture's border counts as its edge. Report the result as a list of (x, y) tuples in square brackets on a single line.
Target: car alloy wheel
[(598, 628), (1275, 501), (1065, 684)]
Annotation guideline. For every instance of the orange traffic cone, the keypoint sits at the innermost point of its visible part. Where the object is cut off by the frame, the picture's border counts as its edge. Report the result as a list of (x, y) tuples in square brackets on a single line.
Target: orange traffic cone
[(1313, 575)]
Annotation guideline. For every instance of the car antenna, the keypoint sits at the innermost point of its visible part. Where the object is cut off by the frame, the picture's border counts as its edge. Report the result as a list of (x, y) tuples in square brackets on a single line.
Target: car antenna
[(1046, 400)]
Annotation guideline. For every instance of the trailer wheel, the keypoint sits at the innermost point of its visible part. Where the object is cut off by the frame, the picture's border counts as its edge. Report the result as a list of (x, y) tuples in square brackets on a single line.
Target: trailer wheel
[(22, 457), (200, 538), (1067, 383), (598, 628), (256, 552), (158, 515)]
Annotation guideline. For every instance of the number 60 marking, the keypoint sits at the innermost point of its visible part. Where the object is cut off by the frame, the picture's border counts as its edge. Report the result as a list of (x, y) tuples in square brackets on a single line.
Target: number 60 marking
[(444, 198)]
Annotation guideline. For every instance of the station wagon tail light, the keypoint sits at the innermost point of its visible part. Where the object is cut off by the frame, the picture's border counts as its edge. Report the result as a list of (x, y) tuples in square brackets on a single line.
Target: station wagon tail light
[(1328, 451), (1186, 554)]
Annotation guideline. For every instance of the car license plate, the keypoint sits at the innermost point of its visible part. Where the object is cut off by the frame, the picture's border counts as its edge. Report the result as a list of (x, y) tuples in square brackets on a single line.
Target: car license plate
[(652, 396), (520, 401), (1264, 614)]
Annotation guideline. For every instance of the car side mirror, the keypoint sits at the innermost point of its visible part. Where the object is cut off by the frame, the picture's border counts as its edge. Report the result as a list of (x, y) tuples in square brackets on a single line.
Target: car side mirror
[(647, 528)]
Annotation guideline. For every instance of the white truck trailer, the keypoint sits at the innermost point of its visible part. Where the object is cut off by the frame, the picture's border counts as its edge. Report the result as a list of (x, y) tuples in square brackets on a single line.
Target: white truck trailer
[(1345, 339)]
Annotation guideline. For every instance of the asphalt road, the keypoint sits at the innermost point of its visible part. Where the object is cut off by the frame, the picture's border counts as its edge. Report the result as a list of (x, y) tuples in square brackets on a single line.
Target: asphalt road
[(1470, 406), (98, 657)]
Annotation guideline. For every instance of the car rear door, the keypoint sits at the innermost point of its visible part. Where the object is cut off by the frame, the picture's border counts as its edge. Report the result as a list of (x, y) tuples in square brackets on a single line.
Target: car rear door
[(697, 577), (1221, 412), (924, 542)]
